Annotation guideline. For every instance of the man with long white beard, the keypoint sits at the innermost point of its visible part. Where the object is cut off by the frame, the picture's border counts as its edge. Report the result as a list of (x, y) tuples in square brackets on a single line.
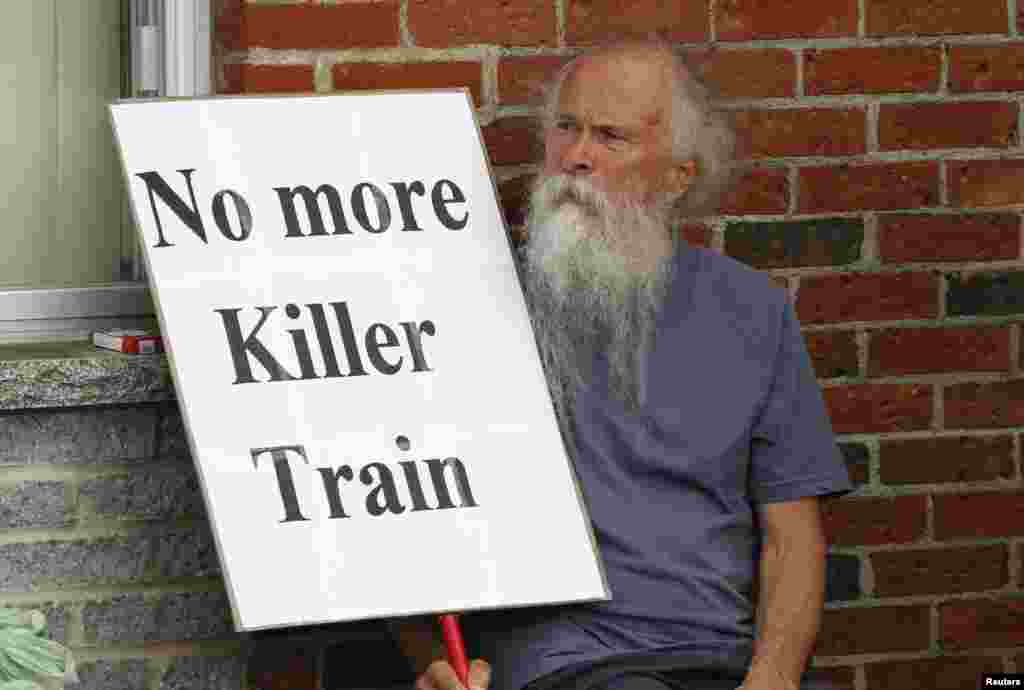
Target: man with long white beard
[(687, 399)]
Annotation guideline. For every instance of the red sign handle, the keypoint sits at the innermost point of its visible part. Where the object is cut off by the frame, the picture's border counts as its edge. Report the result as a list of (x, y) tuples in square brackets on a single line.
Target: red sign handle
[(456, 649)]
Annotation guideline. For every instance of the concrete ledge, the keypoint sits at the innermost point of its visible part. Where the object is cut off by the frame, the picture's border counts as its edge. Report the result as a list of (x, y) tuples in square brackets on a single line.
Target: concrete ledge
[(75, 373)]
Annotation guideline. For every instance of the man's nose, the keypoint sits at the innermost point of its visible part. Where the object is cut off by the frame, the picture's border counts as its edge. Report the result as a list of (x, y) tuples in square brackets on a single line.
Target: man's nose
[(577, 158)]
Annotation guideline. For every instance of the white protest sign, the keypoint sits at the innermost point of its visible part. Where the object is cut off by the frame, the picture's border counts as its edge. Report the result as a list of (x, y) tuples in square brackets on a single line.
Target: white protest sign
[(353, 356)]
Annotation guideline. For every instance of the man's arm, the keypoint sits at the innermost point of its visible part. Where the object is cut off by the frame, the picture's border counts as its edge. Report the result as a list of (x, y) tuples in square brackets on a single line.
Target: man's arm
[(791, 593)]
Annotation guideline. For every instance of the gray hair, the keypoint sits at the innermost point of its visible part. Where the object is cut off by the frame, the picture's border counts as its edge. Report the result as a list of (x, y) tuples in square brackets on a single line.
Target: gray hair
[(701, 132)]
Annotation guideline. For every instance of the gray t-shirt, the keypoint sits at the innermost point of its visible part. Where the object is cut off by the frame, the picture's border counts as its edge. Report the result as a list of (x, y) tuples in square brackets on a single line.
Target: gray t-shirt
[(732, 417)]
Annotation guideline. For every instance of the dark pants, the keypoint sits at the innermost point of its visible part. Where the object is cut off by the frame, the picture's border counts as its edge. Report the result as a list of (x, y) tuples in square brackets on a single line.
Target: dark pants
[(656, 671)]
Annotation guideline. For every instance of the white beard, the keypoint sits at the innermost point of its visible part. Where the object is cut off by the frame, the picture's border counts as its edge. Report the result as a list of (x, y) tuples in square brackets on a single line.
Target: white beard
[(596, 274)]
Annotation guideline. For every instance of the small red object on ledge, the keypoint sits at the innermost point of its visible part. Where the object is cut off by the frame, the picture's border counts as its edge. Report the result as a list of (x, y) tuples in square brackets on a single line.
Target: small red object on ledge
[(133, 342)]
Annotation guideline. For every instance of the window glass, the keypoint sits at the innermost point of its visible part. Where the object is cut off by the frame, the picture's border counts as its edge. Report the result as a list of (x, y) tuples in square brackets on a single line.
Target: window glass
[(63, 219)]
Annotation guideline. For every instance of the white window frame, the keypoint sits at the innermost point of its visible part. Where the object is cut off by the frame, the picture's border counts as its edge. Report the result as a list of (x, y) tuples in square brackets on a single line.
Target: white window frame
[(178, 60)]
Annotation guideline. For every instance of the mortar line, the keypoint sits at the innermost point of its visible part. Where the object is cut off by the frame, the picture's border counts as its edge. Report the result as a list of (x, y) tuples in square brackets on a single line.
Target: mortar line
[(870, 251), (712, 27), (404, 35), (560, 23), (1020, 230), (1013, 566), (862, 19), (943, 70), (860, 677), (1015, 334), (793, 182), (800, 56), (873, 113), (943, 183), (938, 408), (862, 339), (1018, 460), (1011, 16)]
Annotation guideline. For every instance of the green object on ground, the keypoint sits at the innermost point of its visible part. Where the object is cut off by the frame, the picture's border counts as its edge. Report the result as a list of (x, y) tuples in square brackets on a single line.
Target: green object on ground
[(28, 659)]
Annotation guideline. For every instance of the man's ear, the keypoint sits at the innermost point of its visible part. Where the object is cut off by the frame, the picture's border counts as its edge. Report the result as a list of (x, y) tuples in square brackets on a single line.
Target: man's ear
[(681, 175)]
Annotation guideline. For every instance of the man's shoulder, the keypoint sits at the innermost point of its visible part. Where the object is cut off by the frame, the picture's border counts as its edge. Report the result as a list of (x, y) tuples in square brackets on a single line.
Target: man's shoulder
[(734, 281)]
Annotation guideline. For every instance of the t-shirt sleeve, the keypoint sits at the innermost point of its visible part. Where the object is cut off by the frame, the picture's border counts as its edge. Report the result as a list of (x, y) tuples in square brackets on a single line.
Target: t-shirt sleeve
[(793, 450)]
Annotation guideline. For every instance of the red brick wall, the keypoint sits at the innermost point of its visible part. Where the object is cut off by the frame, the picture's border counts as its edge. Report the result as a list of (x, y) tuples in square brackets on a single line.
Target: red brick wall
[(884, 183)]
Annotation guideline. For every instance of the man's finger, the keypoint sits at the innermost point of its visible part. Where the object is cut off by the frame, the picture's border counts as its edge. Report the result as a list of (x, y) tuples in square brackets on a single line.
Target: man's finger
[(443, 676), (479, 675)]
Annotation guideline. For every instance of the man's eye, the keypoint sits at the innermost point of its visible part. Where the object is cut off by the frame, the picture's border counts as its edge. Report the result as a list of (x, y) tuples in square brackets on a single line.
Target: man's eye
[(564, 125), (611, 134)]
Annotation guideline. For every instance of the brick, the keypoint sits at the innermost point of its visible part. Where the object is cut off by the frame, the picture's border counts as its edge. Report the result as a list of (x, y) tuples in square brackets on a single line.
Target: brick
[(899, 69), (836, 677), (939, 571), (974, 184), (745, 73), (973, 516), (945, 237), (833, 353), (857, 460), (869, 186), (978, 623), (758, 190), (801, 132), (867, 297), (106, 674), (938, 350), (346, 25), (696, 234), (984, 405), (79, 436), (211, 673), (447, 23), (842, 577), (33, 504), (245, 78), (741, 20), (879, 629), (917, 17), (876, 407), (276, 665), (986, 68), (818, 242), (360, 76), (171, 439), (46, 565), (512, 141), (872, 521), (946, 459), (995, 293), (938, 673), (154, 495), (917, 126), (522, 79), (589, 22), (183, 553), (229, 16), (52, 564), (164, 618)]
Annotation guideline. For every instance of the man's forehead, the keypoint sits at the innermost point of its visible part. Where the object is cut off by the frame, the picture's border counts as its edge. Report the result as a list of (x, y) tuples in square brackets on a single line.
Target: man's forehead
[(620, 87)]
